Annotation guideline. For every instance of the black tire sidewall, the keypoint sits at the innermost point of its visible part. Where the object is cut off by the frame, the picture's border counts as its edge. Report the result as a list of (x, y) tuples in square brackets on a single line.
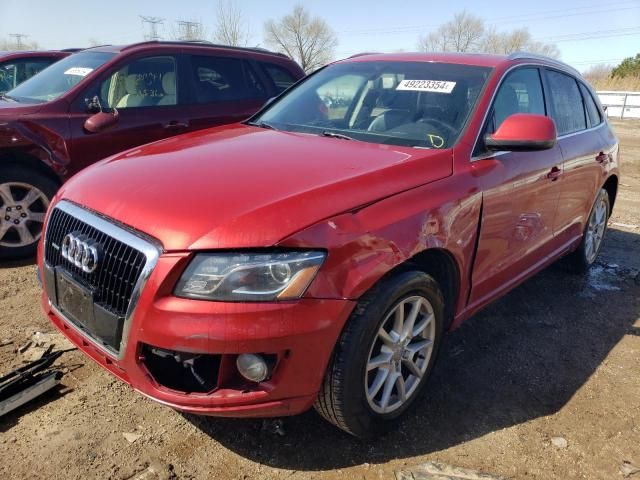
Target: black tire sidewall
[(362, 419), (18, 173)]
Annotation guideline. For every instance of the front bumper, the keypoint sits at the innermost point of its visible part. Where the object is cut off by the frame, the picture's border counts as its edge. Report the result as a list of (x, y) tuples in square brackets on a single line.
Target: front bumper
[(300, 334)]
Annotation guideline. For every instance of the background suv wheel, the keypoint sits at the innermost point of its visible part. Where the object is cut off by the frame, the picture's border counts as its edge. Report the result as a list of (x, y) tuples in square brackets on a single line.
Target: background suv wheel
[(24, 199)]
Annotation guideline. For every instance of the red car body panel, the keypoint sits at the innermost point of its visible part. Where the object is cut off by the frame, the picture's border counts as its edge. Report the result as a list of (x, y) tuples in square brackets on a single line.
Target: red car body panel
[(371, 207)]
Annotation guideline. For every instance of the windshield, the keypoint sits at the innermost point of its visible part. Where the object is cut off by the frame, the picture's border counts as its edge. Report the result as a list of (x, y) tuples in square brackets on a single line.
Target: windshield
[(416, 104), (58, 78)]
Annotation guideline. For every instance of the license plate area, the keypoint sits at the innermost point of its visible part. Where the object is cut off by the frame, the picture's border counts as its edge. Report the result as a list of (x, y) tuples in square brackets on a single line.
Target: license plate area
[(78, 305)]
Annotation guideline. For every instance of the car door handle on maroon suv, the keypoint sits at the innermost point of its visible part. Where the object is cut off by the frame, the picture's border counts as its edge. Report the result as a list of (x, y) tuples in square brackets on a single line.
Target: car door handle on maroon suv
[(174, 125), (554, 174)]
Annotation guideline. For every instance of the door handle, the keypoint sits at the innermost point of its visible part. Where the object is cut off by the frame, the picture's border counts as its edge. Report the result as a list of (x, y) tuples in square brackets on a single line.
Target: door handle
[(554, 174), (602, 157), (174, 125)]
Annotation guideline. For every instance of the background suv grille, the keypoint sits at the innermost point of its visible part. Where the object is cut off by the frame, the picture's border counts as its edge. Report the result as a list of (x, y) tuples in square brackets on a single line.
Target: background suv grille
[(118, 271)]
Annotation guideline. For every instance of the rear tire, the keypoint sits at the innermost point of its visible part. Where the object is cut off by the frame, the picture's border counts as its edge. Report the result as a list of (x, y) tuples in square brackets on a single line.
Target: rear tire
[(24, 198), (357, 395), (593, 236)]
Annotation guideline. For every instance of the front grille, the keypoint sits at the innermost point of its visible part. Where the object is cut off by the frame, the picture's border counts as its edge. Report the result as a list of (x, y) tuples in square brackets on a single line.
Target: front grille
[(118, 271)]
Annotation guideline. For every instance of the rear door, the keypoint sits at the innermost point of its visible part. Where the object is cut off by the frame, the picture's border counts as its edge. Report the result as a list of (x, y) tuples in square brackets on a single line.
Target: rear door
[(147, 93), (520, 196), (223, 89), (583, 149)]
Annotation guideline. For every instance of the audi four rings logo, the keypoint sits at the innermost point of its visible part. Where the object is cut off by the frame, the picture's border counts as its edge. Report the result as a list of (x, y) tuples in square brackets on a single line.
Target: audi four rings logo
[(81, 251)]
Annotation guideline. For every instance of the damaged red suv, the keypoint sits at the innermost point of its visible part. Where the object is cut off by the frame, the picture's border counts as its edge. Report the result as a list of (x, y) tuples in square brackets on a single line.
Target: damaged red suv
[(315, 254), (107, 99)]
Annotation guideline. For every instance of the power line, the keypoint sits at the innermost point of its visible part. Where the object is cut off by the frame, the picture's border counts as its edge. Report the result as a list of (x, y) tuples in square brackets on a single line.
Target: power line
[(189, 30), (530, 17), (153, 23), (19, 37)]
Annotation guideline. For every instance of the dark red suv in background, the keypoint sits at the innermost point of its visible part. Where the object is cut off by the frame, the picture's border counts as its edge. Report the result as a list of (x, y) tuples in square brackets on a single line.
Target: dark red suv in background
[(16, 67), (107, 99)]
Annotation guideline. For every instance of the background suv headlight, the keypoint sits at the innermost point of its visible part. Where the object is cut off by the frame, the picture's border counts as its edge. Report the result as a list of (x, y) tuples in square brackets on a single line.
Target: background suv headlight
[(249, 277)]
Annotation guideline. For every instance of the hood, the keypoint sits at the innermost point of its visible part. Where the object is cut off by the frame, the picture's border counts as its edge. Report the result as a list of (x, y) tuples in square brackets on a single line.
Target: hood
[(243, 186), (13, 110)]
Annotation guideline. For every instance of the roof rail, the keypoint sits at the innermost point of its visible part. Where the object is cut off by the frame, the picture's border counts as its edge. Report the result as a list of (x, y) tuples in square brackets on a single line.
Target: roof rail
[(72, 50), (362, 54), (205, 43), (535, 56)]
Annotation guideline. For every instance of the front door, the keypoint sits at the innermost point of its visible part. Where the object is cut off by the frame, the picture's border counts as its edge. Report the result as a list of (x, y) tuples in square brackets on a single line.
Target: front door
[(520, 195), (145, 94)]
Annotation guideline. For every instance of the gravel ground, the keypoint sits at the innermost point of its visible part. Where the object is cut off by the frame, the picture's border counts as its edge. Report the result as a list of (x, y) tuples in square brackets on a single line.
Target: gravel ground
[(542, 384)]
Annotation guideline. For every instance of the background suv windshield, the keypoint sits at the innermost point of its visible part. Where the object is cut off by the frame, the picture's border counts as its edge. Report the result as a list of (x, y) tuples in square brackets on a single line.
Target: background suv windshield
[(58, 78), (400, 103)]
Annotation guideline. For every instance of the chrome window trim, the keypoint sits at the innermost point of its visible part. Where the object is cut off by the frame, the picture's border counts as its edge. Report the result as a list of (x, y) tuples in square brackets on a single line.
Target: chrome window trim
[(149, 250), (552, 65)]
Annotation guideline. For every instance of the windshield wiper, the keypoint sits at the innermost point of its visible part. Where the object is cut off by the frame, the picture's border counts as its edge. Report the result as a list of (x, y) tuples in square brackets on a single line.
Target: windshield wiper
[(5, 96), (266, 125), (328, 133)]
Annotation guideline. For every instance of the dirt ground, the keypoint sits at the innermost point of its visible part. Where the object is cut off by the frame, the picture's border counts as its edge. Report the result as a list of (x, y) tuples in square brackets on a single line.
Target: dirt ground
[(557, 357)]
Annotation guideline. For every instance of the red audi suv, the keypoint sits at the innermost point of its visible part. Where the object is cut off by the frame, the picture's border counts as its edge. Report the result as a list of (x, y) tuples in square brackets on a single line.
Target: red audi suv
[(107, 99), (315, 254)]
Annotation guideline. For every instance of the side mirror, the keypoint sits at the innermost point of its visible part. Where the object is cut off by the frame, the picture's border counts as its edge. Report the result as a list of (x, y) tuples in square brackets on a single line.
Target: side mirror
[(523, 132), (101, 121)]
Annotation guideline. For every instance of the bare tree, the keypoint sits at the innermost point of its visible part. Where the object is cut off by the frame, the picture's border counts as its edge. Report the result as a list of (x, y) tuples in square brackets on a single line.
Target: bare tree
[(468, 33), (462, 34), (309, 41), (94, 42), (597, 73), (231, 27)]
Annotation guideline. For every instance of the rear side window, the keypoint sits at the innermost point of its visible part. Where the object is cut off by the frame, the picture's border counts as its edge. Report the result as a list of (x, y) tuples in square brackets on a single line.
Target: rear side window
[(593, 114), (568, 110), (222, 79), (281, 77)]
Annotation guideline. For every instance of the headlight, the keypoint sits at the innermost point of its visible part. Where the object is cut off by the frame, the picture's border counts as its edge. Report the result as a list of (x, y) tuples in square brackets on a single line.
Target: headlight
[(242, 277)]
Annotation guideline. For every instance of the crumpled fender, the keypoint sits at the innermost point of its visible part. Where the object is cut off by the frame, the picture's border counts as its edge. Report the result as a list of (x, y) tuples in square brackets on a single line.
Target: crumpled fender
[(38, 141), (367, 243)]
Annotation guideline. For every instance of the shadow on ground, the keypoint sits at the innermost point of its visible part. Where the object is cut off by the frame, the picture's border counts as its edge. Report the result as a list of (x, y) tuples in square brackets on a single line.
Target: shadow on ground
[(523, 357)]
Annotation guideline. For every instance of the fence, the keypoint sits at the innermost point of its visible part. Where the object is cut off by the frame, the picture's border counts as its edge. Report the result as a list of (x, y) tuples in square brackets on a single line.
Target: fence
[(620, 104)]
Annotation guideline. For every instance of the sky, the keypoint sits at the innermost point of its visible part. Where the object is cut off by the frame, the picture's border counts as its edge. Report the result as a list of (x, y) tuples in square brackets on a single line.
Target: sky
[(587, 32)]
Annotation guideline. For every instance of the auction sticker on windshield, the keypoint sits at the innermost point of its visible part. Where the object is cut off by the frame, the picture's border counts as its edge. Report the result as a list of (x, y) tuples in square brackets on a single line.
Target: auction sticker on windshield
[(80, 71), (439, 86)]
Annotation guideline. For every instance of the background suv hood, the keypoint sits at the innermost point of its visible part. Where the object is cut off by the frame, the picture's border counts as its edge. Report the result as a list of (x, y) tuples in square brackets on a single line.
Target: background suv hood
[(244, 186)]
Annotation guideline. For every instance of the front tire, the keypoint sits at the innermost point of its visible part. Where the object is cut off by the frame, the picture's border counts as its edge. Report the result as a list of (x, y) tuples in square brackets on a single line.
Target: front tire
[(587, 252), (384, 356), (24, 198)]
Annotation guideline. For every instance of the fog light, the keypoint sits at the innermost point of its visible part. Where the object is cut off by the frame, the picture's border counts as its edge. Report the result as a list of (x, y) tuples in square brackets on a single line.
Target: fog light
[(252, 367)]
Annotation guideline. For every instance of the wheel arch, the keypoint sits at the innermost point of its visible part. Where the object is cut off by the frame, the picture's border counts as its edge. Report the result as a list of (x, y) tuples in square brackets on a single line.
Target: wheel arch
[(611, 186), (443, 267), (18, 157)]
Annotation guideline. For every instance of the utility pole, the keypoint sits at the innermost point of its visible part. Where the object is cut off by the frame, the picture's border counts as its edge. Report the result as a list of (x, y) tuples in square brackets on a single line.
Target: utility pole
[(153, 27), (189, 30), (19, 37)]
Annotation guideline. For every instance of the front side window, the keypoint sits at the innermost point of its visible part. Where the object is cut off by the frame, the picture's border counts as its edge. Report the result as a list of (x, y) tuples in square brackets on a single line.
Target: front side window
[(59, 78), (223, 79), (146, 82), (520, 92), (568, 110), (416, 104)]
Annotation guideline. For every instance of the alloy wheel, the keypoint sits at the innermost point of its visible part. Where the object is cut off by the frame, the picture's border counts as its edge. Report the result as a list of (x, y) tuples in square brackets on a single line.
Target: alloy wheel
[(400, 353), (595, 229), (22, 211)]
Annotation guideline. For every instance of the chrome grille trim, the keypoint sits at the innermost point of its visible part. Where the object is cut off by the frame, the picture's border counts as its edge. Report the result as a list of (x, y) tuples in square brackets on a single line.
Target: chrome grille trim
[(149, 250)]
